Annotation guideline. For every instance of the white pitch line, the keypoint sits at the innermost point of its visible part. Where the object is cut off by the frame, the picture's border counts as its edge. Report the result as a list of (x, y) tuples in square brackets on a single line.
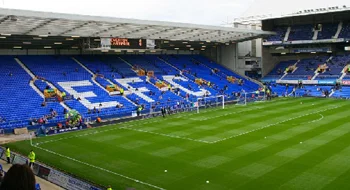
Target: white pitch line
[(99, 168), (172, 136), (316, 120), (270, 125), (166, 135), (226, 114)]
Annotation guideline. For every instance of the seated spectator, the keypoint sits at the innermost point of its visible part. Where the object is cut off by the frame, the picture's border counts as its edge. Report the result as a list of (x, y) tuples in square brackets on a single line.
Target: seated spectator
[(43, 104), (18, 177), (78, 98), (89, 111), (53, 113)]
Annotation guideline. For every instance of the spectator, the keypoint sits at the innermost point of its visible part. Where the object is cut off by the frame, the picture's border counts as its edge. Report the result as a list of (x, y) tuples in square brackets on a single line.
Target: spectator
[(64, 111), (19, 177), (31, 157), (8, 154)]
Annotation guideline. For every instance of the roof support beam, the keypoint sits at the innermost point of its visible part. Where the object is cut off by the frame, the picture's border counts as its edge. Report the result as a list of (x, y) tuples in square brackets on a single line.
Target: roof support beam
[(159, 32), (74, 28), (39, 26), (224, 34), (235, 37), (5, 19), (135, 31), (199, 37), (108, 29), (180, 34)]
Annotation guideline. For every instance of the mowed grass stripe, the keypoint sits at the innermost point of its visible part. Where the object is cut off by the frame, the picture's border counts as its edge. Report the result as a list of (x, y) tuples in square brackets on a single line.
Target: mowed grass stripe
[(253, 139), (213, 111), (212, 151), (283, 157), (291, 166), (254, 121), (156, 165), (186, 128), (145, 156)]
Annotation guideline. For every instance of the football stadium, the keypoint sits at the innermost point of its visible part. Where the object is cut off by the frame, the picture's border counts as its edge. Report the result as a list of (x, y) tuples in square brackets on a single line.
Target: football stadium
[(97, 102)]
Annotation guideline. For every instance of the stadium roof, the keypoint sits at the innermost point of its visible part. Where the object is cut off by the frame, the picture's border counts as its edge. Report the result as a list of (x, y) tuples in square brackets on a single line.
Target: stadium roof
[(33, 23)]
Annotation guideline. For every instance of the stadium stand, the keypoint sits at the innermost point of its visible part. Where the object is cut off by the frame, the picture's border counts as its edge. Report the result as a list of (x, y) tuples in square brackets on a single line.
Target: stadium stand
[(68, 76), (306, 32), (328, 31), (86, 79), (20, 102), (307, 68), (345, 32), (281, 32), (301, 32), (279, 70)]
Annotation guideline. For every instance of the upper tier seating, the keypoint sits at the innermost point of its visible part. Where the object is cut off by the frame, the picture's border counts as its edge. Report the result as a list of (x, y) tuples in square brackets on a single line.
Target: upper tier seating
[(281, 32), (328, 31), (345, 32), (301, 32)]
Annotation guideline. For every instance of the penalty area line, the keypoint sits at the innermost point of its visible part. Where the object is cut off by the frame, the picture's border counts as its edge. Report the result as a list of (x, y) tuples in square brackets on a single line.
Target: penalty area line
[(99, 168), (316, 120), (274, 124)]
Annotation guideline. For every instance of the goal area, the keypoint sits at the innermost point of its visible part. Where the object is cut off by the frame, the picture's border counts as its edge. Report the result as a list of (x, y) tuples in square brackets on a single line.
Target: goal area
[(248, 97), (210, 101)]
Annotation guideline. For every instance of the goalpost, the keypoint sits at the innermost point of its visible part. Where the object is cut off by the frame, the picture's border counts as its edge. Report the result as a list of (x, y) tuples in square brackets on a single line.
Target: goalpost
[(211, 101), (248, 97)]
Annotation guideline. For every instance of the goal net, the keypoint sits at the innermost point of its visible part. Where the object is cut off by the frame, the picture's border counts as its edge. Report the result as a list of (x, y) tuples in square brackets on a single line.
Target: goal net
[(249, 97), (209, 102)]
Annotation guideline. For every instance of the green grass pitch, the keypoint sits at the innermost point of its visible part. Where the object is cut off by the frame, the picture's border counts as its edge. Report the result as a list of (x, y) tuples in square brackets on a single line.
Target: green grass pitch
[(282, 144)]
